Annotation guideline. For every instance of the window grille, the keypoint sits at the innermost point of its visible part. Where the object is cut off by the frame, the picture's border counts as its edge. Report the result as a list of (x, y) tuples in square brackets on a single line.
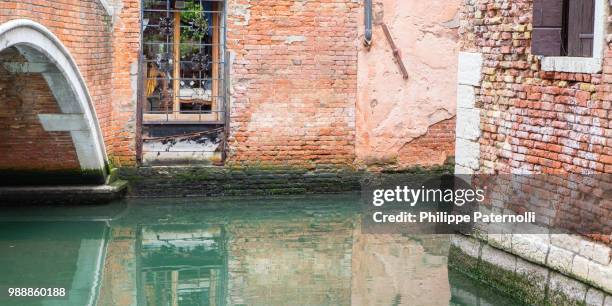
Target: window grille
[(183, 66)]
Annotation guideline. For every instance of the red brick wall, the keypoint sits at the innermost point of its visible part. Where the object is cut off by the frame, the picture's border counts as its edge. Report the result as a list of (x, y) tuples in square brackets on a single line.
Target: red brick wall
[(293, 81), (85, 28), (24, 144), (126, 49), (532, 119), (431, 149)]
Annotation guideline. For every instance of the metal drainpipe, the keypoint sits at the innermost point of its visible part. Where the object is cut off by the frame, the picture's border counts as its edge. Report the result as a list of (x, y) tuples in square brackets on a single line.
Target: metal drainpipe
[(367, 41)]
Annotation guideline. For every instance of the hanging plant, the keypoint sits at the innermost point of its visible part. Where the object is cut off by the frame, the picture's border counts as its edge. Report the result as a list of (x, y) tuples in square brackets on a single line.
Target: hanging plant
[(197, 21), (199, 27)]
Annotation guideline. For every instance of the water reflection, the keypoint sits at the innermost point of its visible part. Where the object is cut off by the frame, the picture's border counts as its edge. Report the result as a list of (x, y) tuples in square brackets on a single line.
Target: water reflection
[(183, 265), (171, 252)]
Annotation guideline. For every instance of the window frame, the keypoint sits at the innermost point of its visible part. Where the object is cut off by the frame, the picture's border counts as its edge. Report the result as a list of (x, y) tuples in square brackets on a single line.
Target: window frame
[(592, 64), (218, 75)]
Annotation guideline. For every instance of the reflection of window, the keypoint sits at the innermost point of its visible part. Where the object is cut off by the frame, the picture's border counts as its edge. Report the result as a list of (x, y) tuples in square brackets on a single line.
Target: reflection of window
[(182, 46), (183, 265)]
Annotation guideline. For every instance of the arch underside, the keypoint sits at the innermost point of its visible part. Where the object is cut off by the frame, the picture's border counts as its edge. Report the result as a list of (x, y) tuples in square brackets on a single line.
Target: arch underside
[(45, 55)]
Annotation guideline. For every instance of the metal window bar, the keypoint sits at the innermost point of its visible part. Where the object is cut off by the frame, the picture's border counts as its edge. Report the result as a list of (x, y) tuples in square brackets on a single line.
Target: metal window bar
[(184, 67)]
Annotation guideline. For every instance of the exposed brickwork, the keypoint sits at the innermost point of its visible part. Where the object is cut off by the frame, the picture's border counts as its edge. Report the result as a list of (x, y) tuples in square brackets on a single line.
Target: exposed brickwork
[(85, 28), (24, 144), (535, 120), (294, 75), (213, 181), (294, 81), (433, 148), (126, 48)]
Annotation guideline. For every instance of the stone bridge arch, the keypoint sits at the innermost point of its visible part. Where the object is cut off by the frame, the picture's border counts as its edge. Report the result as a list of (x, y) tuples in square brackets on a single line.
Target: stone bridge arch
[(45, 54)]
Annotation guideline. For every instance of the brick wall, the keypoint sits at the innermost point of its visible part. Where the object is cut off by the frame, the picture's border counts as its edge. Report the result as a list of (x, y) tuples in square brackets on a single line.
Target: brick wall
[(293, 72), (293, 81), (535, 121), (126, 49), (24, 143), (532, 119), (433, 148), (85, 29)]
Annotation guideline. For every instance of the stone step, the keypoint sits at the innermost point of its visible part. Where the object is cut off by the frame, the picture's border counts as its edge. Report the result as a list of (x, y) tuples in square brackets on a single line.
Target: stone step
[(71, 195)]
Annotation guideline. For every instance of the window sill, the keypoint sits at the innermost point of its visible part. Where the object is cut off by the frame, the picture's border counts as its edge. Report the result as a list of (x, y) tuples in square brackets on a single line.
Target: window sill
[(572, 64)]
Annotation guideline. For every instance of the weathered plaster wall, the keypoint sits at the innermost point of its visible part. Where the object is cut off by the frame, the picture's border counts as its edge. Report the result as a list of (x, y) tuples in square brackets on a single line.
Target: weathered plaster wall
[(393, 112), (294, 80)]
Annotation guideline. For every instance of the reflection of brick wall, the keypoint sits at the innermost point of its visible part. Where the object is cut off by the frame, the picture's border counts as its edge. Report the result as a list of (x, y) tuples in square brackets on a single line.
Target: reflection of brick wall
[(299, 260), (118, 283), (433, 148), (23, 142), (85, 29), (294, 81)]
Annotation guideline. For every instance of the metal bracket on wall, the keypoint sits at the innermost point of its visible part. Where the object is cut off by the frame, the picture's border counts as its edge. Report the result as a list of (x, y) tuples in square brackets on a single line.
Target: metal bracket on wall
[(396, 52)]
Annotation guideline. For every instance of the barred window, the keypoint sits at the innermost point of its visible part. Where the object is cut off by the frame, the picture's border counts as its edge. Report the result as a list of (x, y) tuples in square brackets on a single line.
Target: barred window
[(182, 61)]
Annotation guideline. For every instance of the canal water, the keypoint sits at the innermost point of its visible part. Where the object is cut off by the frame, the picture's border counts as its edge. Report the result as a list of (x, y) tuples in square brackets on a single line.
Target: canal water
[(306, 250)]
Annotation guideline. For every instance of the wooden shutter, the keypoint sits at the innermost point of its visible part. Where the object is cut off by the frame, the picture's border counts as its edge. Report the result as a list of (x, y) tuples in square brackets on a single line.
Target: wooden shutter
[(547, 36), (580, 25)]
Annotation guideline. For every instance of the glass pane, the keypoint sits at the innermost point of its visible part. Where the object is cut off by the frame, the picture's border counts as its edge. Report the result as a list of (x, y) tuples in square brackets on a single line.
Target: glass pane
[(192, 63)]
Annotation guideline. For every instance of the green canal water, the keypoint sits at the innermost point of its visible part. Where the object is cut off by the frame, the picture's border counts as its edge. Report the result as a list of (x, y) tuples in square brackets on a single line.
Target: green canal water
[(306, 250)]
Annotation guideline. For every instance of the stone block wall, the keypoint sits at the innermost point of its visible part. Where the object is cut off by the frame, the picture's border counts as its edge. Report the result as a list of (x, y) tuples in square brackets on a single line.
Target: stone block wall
[(534, 283), (294, 79)]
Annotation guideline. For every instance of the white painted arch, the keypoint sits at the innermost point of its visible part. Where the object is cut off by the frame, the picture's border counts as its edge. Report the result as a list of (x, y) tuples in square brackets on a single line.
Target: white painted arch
[(36, 42)]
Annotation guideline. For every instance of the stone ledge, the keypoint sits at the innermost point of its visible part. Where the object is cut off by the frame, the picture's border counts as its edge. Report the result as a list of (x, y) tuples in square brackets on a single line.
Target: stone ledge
[(533, 283), (90, 194)]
